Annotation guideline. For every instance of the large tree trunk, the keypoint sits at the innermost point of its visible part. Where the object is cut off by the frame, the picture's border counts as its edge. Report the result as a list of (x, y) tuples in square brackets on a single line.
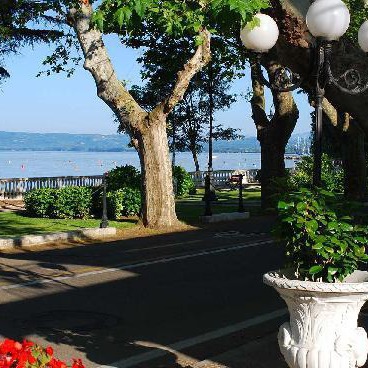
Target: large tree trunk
[(158, 197), (273, 167), (273, 134), (351, 139), (355, 167), (146, 129)]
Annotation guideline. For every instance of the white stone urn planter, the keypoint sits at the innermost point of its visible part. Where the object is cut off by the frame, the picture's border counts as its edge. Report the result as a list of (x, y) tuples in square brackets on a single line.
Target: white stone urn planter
[(323, 330)]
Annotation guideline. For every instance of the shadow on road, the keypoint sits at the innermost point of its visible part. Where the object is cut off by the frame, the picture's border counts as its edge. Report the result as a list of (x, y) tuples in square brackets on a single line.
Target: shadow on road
[(103, 308)]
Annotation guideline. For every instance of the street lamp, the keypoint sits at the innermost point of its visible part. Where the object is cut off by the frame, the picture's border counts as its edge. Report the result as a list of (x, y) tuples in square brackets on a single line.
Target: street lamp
[(327, 21)]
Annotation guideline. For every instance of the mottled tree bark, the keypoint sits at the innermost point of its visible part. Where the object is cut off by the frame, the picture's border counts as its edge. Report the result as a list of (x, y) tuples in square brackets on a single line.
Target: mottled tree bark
[(146, 129), (195, 159), (351, 139), (273, 134)]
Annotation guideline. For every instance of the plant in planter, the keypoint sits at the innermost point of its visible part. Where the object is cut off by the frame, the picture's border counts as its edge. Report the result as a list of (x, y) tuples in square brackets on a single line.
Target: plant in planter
[(321, 286)]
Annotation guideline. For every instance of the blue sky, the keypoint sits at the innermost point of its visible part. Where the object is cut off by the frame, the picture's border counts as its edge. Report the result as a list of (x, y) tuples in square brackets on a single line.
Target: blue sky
[(70, 105)]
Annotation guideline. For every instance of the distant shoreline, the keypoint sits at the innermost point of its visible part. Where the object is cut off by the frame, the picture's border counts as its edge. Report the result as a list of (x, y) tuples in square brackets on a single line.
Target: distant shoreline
[(130, 150)]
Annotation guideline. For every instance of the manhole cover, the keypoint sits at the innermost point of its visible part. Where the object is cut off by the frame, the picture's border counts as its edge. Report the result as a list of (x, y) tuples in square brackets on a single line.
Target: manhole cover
[(69, 320)]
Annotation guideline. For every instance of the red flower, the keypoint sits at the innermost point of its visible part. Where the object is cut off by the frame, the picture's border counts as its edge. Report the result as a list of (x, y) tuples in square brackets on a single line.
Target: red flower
[(20, 355), (77, 363)]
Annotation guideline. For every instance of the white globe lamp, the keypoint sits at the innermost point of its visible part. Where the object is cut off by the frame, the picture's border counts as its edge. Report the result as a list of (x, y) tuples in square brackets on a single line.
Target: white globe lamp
[(328, 19), (263, 37), (363, 36)]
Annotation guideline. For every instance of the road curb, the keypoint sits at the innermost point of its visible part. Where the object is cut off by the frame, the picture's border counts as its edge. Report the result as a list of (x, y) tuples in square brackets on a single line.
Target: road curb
[(30, 240)]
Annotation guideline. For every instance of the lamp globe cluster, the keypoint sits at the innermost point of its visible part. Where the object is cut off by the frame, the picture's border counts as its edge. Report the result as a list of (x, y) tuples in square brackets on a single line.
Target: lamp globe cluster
[(326, 19)]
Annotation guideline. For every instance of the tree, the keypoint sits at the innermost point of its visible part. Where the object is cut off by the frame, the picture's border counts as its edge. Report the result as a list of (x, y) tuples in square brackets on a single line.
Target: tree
[(295, 40), (345, 138), (147, 129), (273, 133), (25, 23), (189, 120)]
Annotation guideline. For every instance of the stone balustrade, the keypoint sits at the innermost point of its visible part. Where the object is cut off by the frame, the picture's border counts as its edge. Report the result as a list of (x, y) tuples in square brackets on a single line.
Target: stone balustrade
[(14, 188)]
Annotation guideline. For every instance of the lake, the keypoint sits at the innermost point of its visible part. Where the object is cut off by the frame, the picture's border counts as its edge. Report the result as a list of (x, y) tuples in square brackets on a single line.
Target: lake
[(21, 164)]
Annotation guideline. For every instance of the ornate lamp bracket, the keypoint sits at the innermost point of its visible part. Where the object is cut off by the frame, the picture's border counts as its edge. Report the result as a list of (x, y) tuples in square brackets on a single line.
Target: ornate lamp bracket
[(285, 80), (350, 82)]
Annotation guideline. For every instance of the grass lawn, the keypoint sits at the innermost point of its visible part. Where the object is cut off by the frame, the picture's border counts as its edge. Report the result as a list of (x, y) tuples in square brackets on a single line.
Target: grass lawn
[(188, 210), (17, 224), (224, 195)]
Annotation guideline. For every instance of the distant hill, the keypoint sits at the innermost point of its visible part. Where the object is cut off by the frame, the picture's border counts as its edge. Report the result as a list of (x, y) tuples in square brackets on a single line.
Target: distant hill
[(19, 141), (14, 141)]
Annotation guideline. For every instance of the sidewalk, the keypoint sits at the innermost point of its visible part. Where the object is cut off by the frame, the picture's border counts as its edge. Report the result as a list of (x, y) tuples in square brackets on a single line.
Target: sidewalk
[(261, 353)]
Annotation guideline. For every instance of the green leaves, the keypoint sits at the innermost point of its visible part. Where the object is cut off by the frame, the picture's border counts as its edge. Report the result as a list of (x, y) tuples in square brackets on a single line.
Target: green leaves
[(176, 17), (320, 241)]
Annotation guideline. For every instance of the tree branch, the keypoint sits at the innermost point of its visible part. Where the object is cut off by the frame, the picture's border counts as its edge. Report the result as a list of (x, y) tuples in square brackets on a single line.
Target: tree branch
[(199, 60), (97, 62), (258, 102)]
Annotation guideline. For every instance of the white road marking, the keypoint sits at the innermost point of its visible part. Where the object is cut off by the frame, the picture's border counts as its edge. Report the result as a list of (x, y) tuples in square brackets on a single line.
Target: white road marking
[(117, 268), (184, 344)]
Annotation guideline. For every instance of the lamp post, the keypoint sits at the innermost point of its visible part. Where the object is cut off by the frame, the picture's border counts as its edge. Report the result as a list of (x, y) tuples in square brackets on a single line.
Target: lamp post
[(327, 21), (210, 194)]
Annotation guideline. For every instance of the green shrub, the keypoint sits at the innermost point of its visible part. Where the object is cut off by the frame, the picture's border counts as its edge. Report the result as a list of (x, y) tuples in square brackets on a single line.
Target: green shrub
[(72, 202), (39, 202), (123, 202), (123, 177), (321, 242), (184, 182), (332, 175), (67, 202)]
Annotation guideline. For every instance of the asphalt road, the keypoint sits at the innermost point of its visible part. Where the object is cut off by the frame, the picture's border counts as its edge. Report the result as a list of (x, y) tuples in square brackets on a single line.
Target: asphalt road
[(126, 303)]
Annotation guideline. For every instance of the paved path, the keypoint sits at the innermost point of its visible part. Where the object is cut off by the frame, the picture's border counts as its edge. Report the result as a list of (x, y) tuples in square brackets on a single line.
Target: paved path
[(172, 300)]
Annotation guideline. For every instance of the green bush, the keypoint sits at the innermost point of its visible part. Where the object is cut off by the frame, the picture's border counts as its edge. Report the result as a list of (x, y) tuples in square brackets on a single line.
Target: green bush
[(322, 243), (332, 175), (39, 202), (123, 202), (123, 177), (184, 182), (72, 202), (67, 202)]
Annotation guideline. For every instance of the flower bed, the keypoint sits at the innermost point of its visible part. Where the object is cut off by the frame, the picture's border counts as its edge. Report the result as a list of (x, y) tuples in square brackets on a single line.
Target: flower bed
[(27, 354)]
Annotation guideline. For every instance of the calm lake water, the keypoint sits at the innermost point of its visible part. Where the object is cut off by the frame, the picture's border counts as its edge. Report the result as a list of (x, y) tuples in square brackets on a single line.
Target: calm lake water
[(14, 164)]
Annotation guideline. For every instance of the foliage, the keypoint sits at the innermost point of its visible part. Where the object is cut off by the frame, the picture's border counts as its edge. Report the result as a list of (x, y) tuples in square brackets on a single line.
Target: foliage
[(123, 177), (39, 202), (123, 202), (67, 202), (184, 182), (190, 119), (14, 354), (26, 23), (176, 17), (332, 175), (72, 202), (321, 242)]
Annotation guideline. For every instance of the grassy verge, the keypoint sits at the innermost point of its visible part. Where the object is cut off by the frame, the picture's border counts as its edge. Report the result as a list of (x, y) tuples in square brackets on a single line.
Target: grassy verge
[(17, 224), (188, 210)]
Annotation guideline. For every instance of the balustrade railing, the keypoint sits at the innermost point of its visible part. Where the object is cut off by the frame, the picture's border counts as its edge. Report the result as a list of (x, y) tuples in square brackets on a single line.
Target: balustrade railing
[(14, 188), (220, 178)]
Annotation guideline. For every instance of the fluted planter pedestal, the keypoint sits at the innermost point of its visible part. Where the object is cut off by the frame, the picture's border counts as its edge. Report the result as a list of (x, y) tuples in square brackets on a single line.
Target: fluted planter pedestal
[(323, 330)]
